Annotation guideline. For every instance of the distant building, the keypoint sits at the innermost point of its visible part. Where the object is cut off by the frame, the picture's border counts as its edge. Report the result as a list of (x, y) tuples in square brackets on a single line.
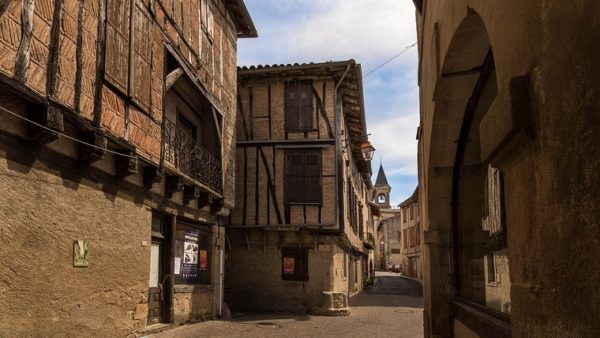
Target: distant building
[(300, 235), (411, 236), (388, 252)]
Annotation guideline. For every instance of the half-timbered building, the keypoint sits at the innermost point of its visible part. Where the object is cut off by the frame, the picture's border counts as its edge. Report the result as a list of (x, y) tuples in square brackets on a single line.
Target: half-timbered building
[(298, 238), (117, 120)]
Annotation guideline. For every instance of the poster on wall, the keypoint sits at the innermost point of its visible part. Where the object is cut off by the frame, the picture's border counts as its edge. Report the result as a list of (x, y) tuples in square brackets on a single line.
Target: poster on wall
[(288, 265), (203, 260), (189, 269)]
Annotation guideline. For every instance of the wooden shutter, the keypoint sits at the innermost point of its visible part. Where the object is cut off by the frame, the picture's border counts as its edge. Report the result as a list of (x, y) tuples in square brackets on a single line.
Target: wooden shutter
[(142, 54), (294, 180), (313, 189), (305, 106), (291, 105), (117, 43)]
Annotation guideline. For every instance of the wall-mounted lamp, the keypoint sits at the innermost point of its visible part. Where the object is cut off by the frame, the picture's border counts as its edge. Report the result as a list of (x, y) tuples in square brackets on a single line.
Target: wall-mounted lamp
[(367, 150)]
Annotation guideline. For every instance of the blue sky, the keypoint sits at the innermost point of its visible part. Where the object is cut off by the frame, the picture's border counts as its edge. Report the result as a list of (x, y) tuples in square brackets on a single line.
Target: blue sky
[(370, 32)]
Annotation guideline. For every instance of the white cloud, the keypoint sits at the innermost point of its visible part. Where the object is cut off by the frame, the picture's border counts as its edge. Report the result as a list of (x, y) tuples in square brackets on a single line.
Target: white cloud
[(321, 30)]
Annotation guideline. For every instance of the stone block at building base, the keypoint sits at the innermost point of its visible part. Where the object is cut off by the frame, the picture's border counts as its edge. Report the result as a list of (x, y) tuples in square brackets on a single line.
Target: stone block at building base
[(334, 304)]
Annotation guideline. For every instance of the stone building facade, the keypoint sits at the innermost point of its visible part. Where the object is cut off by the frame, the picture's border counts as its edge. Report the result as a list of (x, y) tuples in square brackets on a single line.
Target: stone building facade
[(411, 236), (508, 167), (117, 123), (298, 238)]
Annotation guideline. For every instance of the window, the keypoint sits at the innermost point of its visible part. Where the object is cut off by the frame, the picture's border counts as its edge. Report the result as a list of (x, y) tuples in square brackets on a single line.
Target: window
[(381, 198), (192, 254), (294, 264), (298, 106), (303, 177), (404, 218), (412, 212)]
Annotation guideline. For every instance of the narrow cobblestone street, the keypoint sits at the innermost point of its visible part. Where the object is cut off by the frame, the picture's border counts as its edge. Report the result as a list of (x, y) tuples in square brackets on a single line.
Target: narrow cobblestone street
[(392, 308)]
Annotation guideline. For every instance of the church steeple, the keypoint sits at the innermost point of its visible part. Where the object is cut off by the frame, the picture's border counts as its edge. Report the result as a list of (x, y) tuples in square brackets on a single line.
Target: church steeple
[(381, 179), (381, 189)]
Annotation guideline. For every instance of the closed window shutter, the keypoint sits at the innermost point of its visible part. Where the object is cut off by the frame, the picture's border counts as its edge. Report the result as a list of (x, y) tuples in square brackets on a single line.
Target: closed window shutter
[(303, 176), (117, 43), (295, 176), (291, 105), (312, 186), (305, 105)]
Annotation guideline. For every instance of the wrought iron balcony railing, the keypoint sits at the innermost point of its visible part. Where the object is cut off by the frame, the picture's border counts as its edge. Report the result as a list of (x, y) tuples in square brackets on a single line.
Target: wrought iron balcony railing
[(189, 157)]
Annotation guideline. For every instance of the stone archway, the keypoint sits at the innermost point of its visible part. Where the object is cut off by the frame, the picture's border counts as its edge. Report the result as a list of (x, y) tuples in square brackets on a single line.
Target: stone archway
[(464, 91)]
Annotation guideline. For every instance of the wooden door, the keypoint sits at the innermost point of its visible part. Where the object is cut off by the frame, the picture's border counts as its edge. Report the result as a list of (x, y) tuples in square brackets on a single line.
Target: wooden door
[(156, 282)]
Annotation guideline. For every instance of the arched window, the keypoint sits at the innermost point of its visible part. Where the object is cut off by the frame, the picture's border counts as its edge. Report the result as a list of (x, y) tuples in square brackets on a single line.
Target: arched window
[(381, 198)]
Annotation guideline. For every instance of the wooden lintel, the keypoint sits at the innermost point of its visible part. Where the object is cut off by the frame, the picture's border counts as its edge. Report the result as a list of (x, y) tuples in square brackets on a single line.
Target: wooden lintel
[(49, 117), (172, 77), (190, 192), (94, 147), (173, 184), (152, 174), (127, 164)]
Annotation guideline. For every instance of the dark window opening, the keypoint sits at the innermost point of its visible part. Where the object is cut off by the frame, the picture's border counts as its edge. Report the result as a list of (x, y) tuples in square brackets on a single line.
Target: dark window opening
[(303, 177), (298, 106), (294, 264)]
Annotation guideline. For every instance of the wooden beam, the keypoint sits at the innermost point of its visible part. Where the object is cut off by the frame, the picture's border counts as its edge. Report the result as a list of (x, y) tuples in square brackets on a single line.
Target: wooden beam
[(100, 62), (172, 77), (190, 192), (204, 199), (126, 165), (97, 151), (23, 52), (152, 174), (173, 184), (321, 109), (79, 59), (54, 52), (50, 117)]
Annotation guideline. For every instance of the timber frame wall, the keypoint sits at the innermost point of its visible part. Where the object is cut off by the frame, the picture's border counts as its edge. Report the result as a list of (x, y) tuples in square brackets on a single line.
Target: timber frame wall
[(262, 141), (100, 66)]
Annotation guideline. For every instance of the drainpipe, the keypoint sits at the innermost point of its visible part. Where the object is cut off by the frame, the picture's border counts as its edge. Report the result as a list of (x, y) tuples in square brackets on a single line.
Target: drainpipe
[(220, 249), (338, 219)]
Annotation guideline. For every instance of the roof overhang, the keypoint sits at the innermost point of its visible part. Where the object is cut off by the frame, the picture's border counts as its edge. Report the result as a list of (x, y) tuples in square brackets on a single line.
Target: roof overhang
[(245, 25)]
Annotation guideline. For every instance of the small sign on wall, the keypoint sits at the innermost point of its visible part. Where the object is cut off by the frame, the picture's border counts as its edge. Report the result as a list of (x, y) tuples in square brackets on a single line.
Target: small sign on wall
[(81, 250)]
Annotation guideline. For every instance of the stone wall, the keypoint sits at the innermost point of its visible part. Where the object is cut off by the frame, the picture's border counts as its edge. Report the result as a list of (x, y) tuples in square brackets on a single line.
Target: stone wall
[(253, 273), (541, 131)]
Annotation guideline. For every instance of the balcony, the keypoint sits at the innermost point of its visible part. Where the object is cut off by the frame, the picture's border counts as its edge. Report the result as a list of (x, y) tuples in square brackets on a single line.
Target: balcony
[(190, 158)]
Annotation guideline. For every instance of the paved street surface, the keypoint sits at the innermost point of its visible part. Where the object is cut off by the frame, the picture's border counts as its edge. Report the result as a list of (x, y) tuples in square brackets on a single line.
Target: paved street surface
[(392, 308)]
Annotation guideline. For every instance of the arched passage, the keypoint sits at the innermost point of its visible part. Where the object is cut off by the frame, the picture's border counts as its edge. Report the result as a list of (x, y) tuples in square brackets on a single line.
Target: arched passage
[(460, 188)]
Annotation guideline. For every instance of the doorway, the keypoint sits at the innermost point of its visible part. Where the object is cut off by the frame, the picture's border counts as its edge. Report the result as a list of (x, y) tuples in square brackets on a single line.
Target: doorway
[(158, 281)]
